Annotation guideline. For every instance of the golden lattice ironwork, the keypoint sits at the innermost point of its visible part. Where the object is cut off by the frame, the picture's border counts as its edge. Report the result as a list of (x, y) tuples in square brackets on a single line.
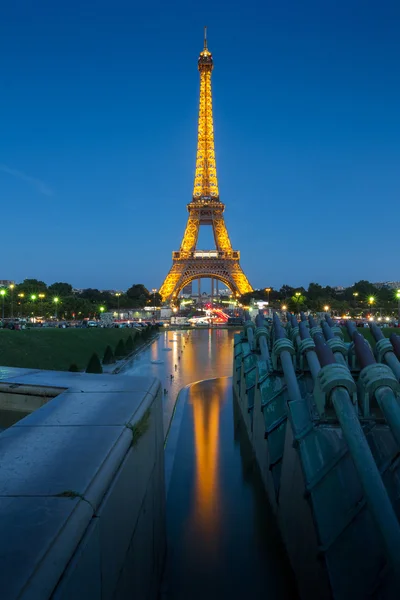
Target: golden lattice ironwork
[(205, 209)]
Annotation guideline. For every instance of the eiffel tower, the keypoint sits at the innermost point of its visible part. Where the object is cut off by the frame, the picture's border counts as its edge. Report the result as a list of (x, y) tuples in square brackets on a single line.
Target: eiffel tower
[(222, 263)]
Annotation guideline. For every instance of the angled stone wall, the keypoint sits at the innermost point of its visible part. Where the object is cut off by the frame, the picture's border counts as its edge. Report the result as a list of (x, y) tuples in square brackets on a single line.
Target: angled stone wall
[(82, 496)]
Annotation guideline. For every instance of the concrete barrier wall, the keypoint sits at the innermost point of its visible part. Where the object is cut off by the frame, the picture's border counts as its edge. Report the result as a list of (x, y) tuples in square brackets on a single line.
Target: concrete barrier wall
[(82, 496)]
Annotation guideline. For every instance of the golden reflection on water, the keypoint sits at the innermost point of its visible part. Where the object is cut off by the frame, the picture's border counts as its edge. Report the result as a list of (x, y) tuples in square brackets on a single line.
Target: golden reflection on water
[(206, 403)]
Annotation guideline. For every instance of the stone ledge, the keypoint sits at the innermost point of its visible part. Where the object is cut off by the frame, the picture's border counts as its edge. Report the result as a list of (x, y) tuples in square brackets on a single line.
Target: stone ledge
[(58, 467)]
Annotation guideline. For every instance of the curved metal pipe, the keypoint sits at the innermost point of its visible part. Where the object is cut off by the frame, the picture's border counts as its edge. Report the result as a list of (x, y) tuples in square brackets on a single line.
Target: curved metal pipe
[(324, 353), (312, 359), (327, 331), (328, 319), (363, 351), (395, 340), (262, 340), (312, 321), (374, 489), (375, 492), (287, 364), (351, 328), (385, 397)]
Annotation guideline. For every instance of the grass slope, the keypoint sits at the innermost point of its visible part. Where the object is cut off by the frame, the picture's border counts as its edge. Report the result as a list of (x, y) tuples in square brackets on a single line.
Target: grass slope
[(56, 349)]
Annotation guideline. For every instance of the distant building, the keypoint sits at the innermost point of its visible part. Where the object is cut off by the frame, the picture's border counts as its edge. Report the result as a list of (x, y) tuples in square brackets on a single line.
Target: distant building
[(390, 285), (6, 282)]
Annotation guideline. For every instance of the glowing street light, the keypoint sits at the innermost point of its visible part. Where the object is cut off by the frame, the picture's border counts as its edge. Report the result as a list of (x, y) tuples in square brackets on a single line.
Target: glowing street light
[(3, 293), (326, 308), (284, 307), (298, 294), (102, 309), (268, 291), (12, 286), (398, 298), (33, 298), (118, 295), (371, 300), (41, 296), (56, 300), (154, 292), (22, 296)]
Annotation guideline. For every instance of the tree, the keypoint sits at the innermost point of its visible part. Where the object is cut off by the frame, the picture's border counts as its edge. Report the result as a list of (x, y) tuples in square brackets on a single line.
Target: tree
[(129, 345), (297, 303), (92, 294), (286, 291), (73, 368), (31, 286), (139, 295), (94, 364), (60, 289), (315, 291), (108, 357), (120, 350)]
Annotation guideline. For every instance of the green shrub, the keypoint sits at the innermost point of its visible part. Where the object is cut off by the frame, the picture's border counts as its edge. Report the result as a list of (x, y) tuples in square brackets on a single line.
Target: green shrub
[(94, 364), (73, 368), (120, 350), (129, 345), (108, 358), (138, 338)]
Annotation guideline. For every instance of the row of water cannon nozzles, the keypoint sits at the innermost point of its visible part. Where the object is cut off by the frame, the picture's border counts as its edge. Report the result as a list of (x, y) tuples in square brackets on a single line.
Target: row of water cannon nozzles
[(356, 354), (326, 338), (319, 349)]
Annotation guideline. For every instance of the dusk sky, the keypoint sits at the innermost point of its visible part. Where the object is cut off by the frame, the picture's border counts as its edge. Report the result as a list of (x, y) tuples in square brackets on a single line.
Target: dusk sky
[(98, 130)]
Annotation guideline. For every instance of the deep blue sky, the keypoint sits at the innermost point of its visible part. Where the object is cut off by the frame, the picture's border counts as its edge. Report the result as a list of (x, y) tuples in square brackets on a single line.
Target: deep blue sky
[(98, 118)]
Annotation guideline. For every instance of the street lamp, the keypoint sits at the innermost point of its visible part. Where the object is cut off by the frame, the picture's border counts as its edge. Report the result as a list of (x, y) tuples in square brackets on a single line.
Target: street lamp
[(298, 294), (56, 301), (268, 291), (326, 308), (3, 293), (41, 296), (12, 286), (21, 295), (118, 294), (33, 298), (398, 298), (102, 309), (154, 292), (371, 300), (284, 307)]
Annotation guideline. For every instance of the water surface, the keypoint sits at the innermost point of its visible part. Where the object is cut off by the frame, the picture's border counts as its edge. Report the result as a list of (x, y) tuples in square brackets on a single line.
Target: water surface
[(197, 353)]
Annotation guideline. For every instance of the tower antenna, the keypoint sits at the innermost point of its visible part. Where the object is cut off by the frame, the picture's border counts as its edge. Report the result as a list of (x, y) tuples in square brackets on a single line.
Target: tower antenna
[(205, 37)]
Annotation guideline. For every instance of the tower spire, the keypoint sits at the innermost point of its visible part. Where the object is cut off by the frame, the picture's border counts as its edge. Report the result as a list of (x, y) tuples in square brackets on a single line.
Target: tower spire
[(205, 181)]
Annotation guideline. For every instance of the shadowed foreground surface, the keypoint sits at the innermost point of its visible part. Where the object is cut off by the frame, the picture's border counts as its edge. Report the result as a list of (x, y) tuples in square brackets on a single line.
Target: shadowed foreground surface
[(222, 538)]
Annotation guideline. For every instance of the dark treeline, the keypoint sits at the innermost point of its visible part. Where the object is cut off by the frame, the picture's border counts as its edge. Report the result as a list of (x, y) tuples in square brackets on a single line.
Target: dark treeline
[(33, 296), (361, 298)]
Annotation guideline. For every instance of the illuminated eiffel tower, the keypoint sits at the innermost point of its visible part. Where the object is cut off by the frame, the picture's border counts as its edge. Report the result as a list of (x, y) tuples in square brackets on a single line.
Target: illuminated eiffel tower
[(222, 263)]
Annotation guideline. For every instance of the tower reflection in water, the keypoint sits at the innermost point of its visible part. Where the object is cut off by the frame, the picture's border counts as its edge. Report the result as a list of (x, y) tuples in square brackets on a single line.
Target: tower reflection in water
[(205, 519)]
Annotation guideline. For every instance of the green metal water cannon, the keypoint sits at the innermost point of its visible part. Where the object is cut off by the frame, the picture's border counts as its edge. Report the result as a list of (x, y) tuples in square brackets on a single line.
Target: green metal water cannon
[(336, 330)]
